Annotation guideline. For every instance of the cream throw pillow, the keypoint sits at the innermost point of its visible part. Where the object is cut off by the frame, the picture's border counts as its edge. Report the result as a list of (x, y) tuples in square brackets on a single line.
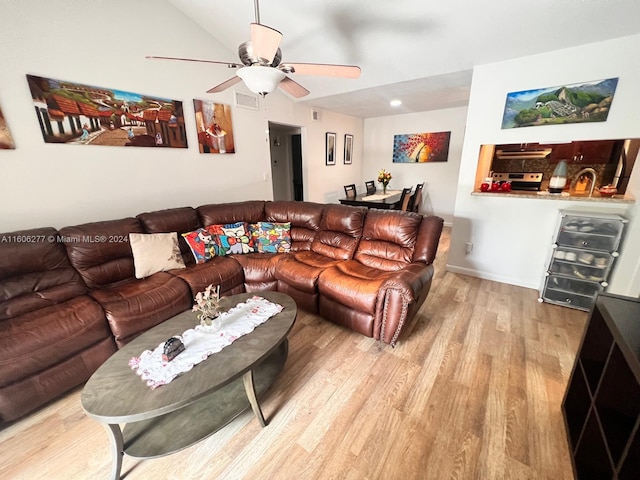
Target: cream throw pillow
[(155, 252)]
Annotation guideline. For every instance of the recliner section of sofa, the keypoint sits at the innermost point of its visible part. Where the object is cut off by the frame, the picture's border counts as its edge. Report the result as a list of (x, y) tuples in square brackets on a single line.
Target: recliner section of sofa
[(66, 305), (386, 282), (53, 335), (334, 242), (101, 253)]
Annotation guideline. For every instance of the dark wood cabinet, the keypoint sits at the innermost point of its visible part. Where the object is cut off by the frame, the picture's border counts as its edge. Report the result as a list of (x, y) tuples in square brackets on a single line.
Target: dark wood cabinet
[(591, 152), (601, 406), (563, 151)]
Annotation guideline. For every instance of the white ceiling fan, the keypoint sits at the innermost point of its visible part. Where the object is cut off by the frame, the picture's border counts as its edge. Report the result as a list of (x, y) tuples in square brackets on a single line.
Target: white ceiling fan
[(261, 69)]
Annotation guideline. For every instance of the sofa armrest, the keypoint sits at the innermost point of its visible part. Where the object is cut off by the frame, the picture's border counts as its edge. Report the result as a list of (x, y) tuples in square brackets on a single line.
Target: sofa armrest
[(401, 296)]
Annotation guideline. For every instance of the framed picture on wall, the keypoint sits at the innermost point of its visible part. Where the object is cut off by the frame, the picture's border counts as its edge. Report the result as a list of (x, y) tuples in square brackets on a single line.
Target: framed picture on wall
[(559, 105), (79, 114), (348, 149), (330, 148), (421, 147), (213, 124), (6, 141)]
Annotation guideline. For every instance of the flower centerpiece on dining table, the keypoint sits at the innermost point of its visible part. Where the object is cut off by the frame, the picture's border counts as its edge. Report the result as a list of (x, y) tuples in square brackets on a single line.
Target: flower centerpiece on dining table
[(384, 177), (208, 304)]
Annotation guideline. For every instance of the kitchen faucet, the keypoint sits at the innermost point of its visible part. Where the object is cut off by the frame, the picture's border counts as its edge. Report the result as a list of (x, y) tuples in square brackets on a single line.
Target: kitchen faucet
[(593, 178)]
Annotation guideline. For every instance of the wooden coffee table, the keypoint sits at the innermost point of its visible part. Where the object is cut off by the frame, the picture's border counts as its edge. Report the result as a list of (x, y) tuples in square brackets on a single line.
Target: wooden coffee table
[(197, 403)]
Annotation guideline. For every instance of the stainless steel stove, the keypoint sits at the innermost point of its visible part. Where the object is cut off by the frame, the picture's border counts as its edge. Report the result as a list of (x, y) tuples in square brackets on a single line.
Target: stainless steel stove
[(520, 181)]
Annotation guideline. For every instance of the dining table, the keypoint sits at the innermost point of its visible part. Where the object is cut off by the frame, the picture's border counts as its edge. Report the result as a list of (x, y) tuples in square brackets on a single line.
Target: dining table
[(389, 200)]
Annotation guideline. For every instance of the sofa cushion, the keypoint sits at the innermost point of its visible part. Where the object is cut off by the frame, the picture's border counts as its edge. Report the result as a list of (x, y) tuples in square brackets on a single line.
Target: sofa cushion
[(35, 272), (38, 339), (181, 220), (101, 252), (155, 252), (259, 267), (223, 271), (137, 305), (354, 285), (271, 237), (301, 269), (201, 243), (23, 396), (251, 211), (388, 239), (340, 231), (231, 238), (304, 217)]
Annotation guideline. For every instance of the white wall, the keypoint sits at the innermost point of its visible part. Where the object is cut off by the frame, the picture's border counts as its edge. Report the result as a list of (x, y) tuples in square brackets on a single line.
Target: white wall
[(103, 43), (440, 177), (322, 183), (511, 236)]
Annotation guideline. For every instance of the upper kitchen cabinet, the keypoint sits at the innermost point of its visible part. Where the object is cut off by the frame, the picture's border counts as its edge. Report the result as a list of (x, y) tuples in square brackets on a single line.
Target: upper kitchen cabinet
[(591, 152)]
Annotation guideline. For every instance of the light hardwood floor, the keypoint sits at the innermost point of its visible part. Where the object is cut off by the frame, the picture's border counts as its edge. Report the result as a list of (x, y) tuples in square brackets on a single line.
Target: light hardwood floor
[(473, 392)]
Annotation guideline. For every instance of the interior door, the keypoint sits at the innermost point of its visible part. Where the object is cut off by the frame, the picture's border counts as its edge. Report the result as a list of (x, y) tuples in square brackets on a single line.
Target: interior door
[(296, 163)]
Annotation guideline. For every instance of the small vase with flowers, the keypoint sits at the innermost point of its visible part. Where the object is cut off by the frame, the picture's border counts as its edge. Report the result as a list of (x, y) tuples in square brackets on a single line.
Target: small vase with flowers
[(384, 177), (208, 304)]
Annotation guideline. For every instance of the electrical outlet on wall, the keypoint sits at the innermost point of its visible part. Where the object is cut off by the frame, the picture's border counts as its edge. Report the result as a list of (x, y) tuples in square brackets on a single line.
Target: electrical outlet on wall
[(468, 248)]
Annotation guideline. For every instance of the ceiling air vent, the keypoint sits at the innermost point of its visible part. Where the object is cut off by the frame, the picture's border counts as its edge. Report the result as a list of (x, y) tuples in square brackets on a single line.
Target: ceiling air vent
[(245, 100)]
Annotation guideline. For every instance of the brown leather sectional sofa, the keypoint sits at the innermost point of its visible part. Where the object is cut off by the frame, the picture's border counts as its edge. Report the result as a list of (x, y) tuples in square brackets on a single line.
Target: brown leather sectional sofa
[(69, 298)]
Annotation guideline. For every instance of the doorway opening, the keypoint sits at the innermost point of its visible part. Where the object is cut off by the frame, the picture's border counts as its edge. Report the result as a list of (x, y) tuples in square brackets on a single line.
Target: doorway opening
[(285, 145)]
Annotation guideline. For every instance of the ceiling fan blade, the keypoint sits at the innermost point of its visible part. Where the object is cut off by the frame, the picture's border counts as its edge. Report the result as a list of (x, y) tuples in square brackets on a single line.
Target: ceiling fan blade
[(265, 42), (328, 70), (293, 88), (224, 85), (228, 64)]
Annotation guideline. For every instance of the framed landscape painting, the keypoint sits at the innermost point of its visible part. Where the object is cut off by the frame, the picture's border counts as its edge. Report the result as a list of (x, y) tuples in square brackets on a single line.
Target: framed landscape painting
[(576, 103), (79, 114), (215, 130), (6, 140), (421, 147)]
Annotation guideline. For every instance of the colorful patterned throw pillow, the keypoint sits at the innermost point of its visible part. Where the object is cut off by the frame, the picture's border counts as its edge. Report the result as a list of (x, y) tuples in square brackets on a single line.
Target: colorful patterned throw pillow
[(201, 243), (271, 237), (231, 238)]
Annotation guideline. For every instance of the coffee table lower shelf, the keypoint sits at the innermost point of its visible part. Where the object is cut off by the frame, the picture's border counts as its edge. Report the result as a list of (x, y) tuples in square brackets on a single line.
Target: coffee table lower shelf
[(177, 430)]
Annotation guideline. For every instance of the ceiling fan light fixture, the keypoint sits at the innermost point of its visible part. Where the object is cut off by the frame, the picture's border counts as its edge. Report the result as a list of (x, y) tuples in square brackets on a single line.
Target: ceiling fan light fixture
[(395, 103), (261, 80)]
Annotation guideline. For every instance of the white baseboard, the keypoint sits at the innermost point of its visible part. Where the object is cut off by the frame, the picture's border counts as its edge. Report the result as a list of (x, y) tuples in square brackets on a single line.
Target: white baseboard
[(488, 276)]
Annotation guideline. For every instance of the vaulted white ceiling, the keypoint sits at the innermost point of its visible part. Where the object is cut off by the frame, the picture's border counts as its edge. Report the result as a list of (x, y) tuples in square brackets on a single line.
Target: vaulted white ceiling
[(420, 51)]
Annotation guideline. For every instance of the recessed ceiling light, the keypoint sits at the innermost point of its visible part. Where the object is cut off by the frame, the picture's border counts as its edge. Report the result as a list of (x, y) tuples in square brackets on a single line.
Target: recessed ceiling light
[(395, 103)]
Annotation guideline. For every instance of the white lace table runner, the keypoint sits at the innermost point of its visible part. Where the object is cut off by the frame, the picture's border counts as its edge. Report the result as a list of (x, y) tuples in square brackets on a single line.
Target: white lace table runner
[(199, 344), (381, 196)]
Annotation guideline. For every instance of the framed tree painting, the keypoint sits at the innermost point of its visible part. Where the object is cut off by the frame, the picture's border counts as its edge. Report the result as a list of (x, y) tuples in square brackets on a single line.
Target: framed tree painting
[(330, 146), (421, 147), (348, 149)]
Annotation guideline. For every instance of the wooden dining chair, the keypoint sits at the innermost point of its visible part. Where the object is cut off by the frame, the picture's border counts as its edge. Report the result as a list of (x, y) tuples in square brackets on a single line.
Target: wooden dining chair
[(416, 199), (350, 190), (371, 186), (404, 199)]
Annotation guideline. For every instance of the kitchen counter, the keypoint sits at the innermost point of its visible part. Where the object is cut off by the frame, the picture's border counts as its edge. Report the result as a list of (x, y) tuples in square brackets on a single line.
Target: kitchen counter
[(544, 195)]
